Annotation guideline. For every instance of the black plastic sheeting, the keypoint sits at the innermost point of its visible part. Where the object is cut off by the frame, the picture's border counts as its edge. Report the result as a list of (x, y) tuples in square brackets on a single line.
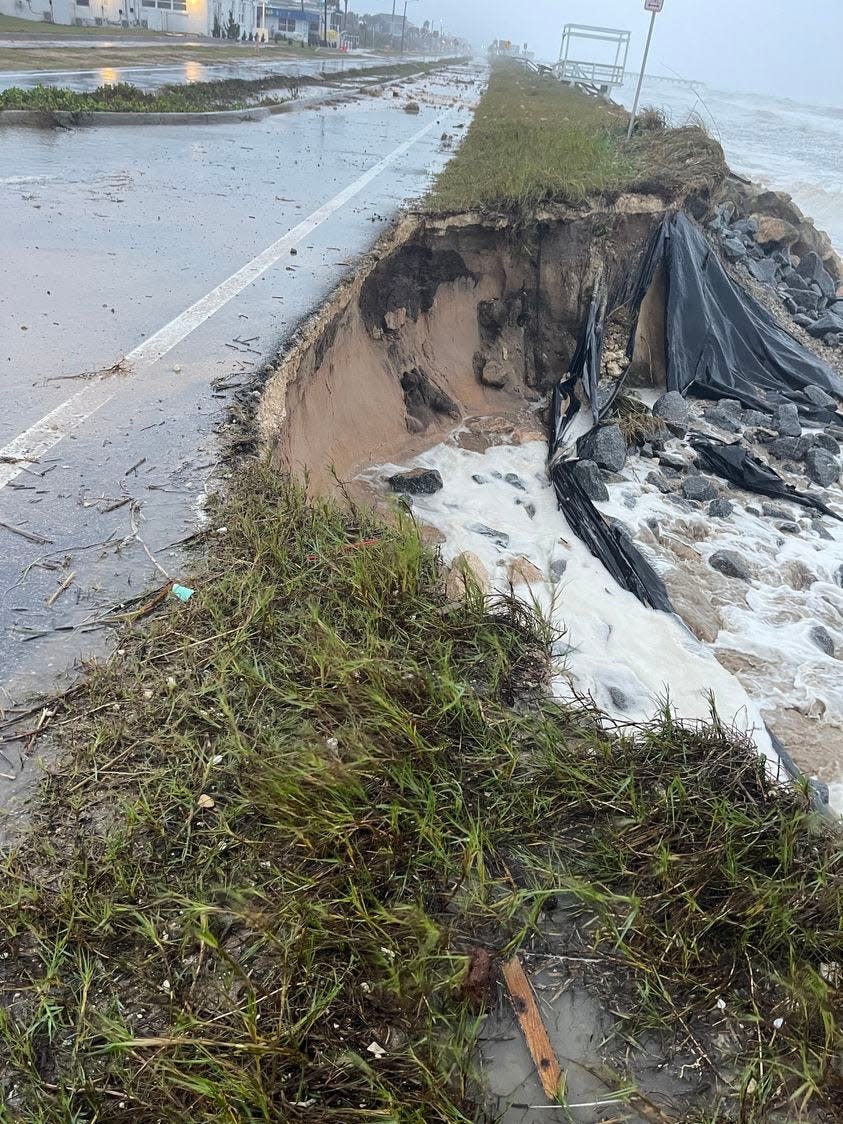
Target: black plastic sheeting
[(720, 342), (607, 541), (739, 466)]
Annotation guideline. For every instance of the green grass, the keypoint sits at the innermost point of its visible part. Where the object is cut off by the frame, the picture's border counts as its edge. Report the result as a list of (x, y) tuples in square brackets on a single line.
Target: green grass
[(287, 813), (199, 97), (534, 141)]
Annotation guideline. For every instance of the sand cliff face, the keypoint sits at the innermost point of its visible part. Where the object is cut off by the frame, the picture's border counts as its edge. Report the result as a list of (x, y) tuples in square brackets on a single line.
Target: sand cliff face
[(448, 319)]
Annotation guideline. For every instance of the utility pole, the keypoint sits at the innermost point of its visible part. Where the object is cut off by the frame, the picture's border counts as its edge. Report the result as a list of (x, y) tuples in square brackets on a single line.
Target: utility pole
[(653, 7), (392, 28)]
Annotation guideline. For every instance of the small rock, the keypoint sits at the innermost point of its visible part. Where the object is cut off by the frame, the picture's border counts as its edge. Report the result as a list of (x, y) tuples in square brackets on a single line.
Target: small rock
[(733, 248), (698, 488), (530, 508), (789, 448), (412, 107), (827, 442), (660, 482), (786, 420), (721, 419), (730, 563), (812, 269), (513, 479), (619, 699), (720, 509), (754, 419), (521, 571), (745, 227), (825, 324), (838, 576), (773, 512), (789, 528), (823, 639), (395, 319), (730, 406), (673, 410), (605, 446), (494, 375), (797, 575), (819, 397), (465, 570), (821, 467), (557, 569), (499, 537), (588, 475), (803, 320), (417, 482), (764, 271), (478, 479), (819, 528)]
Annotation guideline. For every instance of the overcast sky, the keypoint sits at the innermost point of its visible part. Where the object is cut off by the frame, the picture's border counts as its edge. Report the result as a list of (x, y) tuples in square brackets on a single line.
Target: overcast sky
[(793, 48)]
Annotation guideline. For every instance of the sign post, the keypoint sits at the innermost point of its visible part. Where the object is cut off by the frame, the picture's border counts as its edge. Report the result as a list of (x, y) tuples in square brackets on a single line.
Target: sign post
[(654, 7)]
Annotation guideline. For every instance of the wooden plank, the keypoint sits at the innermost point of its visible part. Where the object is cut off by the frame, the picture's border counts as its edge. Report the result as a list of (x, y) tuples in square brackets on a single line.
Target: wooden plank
[(532, 1027)]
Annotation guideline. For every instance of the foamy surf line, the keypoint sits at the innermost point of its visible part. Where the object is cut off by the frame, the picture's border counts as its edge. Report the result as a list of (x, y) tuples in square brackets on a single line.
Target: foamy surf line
[(627, 657)]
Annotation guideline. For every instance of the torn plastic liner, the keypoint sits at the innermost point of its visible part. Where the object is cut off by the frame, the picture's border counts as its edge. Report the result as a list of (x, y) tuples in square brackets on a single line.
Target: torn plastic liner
[(739, 466), (719, 341), (607, 541)]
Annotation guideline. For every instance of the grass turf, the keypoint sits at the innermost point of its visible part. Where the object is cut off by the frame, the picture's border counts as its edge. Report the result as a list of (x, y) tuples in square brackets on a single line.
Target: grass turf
[(199, 97), (534, 141), (285, 816)]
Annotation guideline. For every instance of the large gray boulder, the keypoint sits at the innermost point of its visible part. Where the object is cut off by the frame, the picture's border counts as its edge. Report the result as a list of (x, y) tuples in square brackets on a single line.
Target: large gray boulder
[(821, 467), (673, 410), (605, 446)]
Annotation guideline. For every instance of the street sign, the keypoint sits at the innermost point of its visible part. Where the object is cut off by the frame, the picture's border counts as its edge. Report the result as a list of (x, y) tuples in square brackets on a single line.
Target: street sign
[(653, 7)]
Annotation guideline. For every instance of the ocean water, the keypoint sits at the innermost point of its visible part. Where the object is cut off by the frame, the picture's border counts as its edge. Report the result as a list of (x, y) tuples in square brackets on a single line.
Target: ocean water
[(773, 141)]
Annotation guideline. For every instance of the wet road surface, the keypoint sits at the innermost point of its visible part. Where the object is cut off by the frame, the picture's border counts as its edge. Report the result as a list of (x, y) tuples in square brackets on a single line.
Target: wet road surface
[(151, 77), (165, 253)]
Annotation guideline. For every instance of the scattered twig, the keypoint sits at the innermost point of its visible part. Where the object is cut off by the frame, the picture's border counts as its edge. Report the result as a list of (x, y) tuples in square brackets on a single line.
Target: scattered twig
[(30, 535), (56, 594)]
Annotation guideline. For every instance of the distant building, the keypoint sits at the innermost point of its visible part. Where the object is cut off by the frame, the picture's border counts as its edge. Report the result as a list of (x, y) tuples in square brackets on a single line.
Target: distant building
[(290, 22), (296, 21)]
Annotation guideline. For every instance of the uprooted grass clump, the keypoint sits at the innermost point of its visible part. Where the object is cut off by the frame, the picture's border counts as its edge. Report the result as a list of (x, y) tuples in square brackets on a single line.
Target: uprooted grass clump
[(193, 97), (534, 140), (288, 812)]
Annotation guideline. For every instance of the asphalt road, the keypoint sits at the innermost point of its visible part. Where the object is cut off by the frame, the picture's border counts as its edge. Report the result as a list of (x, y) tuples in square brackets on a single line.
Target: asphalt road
[(148, 77), (165, 253)]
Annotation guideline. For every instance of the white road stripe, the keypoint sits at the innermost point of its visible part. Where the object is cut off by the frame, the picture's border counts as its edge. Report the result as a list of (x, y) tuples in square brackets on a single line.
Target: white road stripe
[(44, 434)]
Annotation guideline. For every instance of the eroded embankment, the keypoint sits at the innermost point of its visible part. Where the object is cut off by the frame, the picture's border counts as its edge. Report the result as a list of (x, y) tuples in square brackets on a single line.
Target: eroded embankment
[(441, 353), (449, 319)]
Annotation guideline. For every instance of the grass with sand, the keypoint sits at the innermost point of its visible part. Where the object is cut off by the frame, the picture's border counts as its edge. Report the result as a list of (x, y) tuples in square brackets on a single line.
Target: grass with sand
[(289, 811)]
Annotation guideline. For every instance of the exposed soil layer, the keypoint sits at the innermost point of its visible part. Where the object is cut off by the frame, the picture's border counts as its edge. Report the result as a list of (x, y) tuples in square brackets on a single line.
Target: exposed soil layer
[(449, 318)]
